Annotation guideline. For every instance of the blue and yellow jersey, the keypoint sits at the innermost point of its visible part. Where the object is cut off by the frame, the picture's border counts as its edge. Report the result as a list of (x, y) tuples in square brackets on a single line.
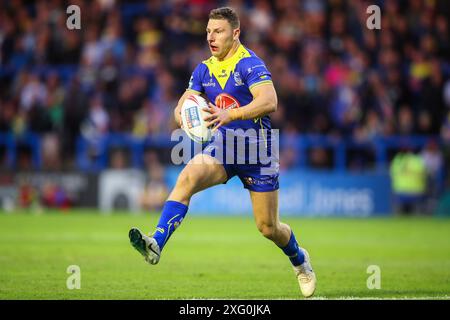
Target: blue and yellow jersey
[(232, 80)]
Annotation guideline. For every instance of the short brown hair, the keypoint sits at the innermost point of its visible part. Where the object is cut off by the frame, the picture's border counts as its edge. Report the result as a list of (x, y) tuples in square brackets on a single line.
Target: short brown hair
[(226, 13)]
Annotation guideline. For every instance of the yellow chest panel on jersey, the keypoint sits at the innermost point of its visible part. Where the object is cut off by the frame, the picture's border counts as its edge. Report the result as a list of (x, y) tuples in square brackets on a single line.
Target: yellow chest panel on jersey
[(222, 69)]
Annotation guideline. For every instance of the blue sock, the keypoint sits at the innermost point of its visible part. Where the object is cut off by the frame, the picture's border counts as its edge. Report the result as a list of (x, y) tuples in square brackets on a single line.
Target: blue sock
[(171, 216), (293, 251)]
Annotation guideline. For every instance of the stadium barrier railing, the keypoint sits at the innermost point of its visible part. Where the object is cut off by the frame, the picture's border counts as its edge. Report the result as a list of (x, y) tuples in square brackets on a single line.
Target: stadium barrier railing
[(301, 144)]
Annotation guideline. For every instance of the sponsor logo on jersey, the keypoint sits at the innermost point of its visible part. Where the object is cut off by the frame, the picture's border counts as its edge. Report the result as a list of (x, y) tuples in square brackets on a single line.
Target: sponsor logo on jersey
[(210, 83), (261, 181), (223, 74), (230, 101), (237, 79)]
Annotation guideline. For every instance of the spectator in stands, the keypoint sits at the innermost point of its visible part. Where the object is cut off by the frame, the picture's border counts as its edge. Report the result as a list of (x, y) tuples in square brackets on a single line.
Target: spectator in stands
[(405, 121), (51, 152), (75, 108), (96, 125), (55, 98), (33, 94)]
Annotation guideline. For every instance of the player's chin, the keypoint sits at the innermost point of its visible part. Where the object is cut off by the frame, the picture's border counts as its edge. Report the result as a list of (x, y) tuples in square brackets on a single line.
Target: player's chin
[(215, 53)]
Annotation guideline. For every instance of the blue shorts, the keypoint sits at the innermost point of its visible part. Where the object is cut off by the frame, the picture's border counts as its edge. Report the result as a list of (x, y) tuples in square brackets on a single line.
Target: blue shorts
[(261, 175)]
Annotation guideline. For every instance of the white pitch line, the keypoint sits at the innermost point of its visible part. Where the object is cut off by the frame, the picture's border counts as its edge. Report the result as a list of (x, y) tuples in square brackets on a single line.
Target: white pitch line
[(383, 298), (325, 298)]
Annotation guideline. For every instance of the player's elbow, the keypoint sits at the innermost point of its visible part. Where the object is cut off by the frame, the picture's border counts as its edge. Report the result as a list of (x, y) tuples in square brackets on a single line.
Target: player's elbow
[(272, 108), (272, 104), (272, 100)]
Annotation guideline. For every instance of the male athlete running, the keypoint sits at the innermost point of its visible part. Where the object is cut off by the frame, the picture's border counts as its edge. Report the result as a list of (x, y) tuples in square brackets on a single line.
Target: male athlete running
[(241, 87)]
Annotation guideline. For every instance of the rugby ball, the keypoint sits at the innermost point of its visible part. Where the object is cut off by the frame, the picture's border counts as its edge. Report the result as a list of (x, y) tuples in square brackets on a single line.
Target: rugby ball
[(192, 115)]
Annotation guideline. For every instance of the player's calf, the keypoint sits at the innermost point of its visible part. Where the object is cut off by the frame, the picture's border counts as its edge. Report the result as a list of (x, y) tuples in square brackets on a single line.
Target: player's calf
[(171, 217)]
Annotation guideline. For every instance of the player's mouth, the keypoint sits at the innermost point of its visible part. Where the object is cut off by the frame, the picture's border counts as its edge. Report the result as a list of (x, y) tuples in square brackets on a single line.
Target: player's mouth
[(213, 48)]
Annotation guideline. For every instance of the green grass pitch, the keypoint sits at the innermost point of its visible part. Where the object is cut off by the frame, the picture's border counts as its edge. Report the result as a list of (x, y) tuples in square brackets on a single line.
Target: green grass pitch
[(220, 258)]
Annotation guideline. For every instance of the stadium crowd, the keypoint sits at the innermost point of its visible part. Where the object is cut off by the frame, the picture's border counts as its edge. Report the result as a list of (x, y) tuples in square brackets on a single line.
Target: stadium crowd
[(127, 66)]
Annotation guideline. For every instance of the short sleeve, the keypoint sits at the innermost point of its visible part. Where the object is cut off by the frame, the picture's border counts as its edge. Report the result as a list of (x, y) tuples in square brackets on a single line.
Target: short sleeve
[(255, 72), (195, 82)]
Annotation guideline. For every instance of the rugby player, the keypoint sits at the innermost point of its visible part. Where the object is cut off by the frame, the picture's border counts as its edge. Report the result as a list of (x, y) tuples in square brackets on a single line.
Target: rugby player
[(243, 93)]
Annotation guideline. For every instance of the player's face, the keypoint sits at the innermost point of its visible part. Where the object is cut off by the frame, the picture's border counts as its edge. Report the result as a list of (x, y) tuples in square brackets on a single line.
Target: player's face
[(220, 36)]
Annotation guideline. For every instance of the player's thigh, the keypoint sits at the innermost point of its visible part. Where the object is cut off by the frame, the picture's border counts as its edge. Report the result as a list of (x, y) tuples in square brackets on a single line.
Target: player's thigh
[(203, 171), (265, 208)]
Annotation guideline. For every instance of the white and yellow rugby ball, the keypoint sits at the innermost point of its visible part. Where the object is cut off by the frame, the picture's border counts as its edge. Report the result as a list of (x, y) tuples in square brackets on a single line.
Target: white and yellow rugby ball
[(192, 115)]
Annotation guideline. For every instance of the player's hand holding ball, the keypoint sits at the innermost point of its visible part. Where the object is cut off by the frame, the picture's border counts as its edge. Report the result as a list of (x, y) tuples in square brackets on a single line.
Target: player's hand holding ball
[(192, 115), (218, 116)]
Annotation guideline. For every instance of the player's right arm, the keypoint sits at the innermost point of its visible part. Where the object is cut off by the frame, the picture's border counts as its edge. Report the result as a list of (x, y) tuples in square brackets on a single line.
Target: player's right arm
[(195, 87)]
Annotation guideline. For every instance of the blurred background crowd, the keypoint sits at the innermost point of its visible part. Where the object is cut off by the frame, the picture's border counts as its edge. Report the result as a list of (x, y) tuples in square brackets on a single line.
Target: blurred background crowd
[(124, 71)]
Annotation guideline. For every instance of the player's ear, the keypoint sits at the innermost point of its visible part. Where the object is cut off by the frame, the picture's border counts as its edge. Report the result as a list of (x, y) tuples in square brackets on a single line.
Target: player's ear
[(236, 33)]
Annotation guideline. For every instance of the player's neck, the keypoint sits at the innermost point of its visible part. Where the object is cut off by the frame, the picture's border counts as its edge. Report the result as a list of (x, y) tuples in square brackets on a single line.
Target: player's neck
[(231, 52)]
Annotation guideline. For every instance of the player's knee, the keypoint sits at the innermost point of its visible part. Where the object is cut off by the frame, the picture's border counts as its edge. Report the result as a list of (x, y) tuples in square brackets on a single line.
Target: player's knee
[(268, 230)]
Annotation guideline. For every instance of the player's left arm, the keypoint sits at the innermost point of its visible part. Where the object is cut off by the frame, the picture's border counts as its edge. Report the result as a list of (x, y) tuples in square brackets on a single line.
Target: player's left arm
[(264, 101)]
